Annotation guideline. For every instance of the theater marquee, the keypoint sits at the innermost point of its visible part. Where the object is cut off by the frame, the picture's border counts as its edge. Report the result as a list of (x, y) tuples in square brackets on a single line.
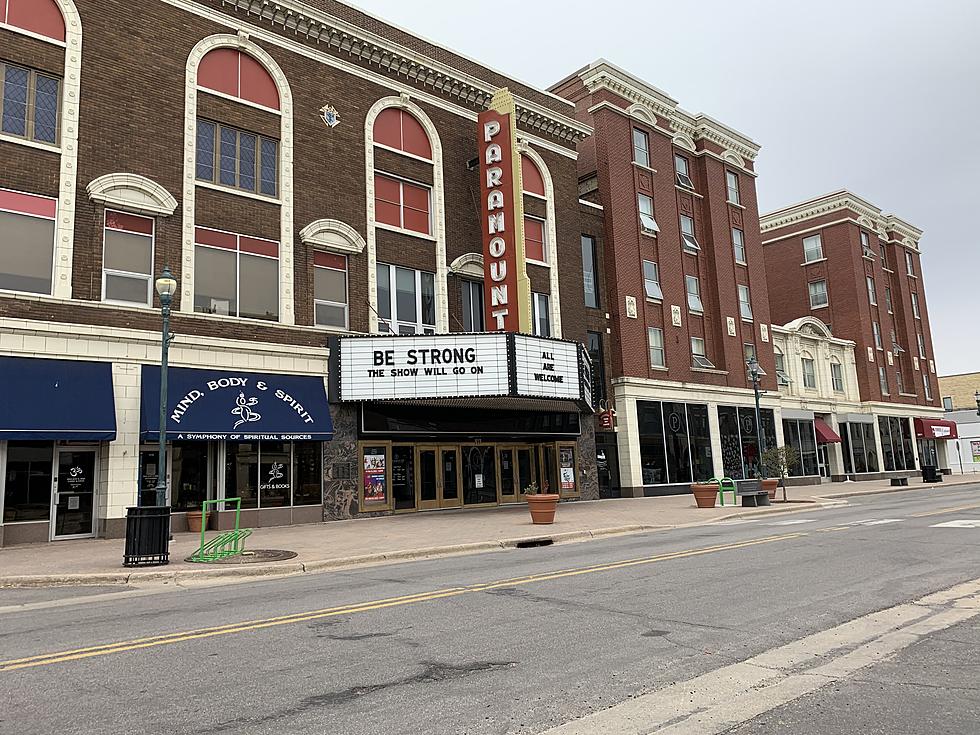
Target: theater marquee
[(419, 367)]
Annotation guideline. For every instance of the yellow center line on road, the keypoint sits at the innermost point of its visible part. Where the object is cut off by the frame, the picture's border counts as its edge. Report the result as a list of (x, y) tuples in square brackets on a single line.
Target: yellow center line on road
[(941, 511), (199, 634)]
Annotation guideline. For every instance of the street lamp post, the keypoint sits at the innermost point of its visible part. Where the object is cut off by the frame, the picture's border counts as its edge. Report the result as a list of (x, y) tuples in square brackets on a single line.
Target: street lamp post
[(976, 397), (755, 375), (166, 286)]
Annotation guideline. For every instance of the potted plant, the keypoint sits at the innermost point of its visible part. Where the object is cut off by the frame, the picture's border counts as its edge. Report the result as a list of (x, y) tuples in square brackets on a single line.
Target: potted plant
[(543, 506), (195, 518), (778, 461), (705, 493)]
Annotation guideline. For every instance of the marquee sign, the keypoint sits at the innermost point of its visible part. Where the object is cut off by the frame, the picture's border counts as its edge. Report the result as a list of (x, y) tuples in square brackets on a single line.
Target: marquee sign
[(461, 365), (502, 213)]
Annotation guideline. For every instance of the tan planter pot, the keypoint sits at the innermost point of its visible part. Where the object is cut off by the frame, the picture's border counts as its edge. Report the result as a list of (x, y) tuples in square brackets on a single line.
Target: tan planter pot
[(543, 508), (705, 494), (770, 487), (195, 519)]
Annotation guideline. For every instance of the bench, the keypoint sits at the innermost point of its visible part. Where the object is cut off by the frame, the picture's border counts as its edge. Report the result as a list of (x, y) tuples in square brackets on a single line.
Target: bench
[(900, 482), (752, 494)]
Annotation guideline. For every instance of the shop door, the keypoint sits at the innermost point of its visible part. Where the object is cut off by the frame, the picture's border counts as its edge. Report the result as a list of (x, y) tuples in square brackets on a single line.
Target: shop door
[(439, 477), (516, 472), (479, 474), (74, 493), (823, 460), (452, 481), (403, 477)]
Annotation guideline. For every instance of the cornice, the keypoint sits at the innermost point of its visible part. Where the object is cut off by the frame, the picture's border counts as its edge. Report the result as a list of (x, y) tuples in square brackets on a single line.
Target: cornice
[(392, 58), (603, 75)]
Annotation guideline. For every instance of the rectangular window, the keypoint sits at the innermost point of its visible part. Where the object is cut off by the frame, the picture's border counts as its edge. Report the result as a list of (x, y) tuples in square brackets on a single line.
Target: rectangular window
[(647, 223), (915, 306), (948, 403), (27, 490), (888, 299), (818, 294), (590, 273), (473, 306), (694, 295), (655, 336), (541, 314), (31, 104), (406, 300), (738, 243), (748, 352), (687, 234), (900, 381), (27, 227), (883, 380), (329, 290), (876, 330), (127, 259), (910, 262), (927, 387), (837, 376), (594, 346), (744, 302), (235, 275), (782, 377), (699, 358), (641, 148), (402, 204), (809, 373), (812, 248), (651, 280), (237, 159), (535, 240), (922, 345), (683, 172), (883, 252), (734, 196), (866, 245), (872, 296)]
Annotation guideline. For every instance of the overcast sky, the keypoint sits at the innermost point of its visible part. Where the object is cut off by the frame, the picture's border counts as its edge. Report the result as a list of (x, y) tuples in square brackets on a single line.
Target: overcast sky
[(882, 98)]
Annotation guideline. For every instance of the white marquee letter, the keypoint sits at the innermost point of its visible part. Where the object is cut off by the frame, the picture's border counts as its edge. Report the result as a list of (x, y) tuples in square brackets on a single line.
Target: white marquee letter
[(490, 129)]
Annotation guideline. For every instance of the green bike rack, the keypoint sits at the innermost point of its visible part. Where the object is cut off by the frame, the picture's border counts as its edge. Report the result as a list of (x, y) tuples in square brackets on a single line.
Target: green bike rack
[(229, 543), (726, 484)]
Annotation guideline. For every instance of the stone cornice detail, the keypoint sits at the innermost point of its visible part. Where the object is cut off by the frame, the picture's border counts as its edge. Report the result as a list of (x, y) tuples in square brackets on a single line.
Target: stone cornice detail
[(603, 75), (867, 213), (392, 58)]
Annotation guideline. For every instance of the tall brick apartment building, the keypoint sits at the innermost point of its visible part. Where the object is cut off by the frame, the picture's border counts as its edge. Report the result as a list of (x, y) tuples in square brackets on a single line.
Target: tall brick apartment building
[(686, 282), (839, 259), (306, 171)]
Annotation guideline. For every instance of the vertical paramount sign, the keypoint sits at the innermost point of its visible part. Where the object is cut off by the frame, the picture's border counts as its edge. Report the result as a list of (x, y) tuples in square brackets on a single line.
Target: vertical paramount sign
[(508, 291)]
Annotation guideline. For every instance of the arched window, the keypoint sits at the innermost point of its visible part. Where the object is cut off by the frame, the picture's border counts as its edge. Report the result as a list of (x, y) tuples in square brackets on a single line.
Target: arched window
[(236, 74), (533, 180), (809, 370), (397, 129), (42, 17)]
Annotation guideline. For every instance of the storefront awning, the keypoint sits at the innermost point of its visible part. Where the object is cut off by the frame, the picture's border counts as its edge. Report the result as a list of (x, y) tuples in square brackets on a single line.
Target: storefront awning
[(935, 429), (227, 404), (56, 399), (825, 435)]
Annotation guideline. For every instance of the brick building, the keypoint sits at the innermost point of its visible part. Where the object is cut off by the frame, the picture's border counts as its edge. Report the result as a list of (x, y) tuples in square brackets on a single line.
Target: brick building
[(305, 170), (958, 392), (839, 259)]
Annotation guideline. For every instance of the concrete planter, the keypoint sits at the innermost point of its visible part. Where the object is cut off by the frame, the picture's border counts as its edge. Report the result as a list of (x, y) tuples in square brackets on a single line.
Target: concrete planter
[(770, 487), (705, 494), (543, 508)]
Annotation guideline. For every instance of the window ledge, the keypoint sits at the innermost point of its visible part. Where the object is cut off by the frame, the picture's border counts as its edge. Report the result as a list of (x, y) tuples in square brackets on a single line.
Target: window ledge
[(644, 168), (402, 153), (7, 138), (811, 262), (238, 192), (648, 234), (539, 263), (660, 368), (539, 197), (688, 191), (817, 308), (742, 262), (735, 204), (403, 231), (710, 371), (887, 270), (229, 317), (909, 395), (912, 275), (695, 313), (748, 319), (654, 301)]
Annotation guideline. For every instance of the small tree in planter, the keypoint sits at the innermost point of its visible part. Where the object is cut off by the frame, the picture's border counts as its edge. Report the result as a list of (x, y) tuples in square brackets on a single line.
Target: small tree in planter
[(778, 461)]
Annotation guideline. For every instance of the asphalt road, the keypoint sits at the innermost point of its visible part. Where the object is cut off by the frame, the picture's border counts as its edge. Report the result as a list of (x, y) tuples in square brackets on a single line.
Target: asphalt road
[(515, 641)]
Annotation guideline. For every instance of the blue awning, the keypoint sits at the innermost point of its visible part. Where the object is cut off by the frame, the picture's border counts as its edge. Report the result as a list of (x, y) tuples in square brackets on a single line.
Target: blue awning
[(56, 399), (227, 404)]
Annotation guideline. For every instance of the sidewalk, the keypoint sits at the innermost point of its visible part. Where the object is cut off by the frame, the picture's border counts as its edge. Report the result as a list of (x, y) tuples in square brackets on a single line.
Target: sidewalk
[(393, 538)]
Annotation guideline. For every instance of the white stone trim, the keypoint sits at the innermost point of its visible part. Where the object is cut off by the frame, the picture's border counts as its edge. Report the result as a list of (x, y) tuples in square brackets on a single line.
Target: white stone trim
[(438, 213), (240, 42), (333, 235), (549, 193), (686, 142), (469, 265), (132, 193)]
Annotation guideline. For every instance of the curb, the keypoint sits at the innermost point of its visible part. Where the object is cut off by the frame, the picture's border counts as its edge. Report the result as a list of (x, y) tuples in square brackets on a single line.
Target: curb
[(180, 576)]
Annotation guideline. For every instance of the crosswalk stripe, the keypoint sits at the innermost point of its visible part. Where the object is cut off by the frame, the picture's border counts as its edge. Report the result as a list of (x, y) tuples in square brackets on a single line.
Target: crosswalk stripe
[(965, 523)]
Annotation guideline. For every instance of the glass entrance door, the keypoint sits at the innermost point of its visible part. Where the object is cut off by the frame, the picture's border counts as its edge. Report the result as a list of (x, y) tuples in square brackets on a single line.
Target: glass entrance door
[(516, 472), (74, 493), (479, 474), (403, 476), (449, 489)]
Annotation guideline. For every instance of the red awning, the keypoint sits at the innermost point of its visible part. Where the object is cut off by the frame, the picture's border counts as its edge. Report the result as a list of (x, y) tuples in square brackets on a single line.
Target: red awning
[(825, 435), (935, 429)]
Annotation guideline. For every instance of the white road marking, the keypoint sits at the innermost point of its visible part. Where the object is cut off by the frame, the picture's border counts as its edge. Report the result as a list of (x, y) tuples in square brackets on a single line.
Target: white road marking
[(719, 700), (876, 522), (971, 523), (793, 523)]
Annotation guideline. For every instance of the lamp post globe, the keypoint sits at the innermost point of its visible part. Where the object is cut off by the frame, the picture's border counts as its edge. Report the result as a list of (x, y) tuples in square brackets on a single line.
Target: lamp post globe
[(166, 286), (755, 373), (976, 397)]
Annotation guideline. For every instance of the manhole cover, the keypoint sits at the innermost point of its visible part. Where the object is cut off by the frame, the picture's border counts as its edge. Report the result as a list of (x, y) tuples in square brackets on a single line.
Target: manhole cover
[(258, 556)]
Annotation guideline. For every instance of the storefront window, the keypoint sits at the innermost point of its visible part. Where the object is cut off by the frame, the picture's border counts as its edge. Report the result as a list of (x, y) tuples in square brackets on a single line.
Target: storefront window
[(653, 458), (845, 435), (678, 447), (275, 470), (675, 442), (799, 434), (699, 434), (242, 472), (308, 482), (887, 452), (188, 475), (27, 490), (739, 440), (907, 449), (731, 443)]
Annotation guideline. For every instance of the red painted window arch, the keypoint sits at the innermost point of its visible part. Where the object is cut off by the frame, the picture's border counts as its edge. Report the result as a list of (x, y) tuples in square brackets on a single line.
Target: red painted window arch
[(42, 17), (235, 73), (533, 180), (398, 129)]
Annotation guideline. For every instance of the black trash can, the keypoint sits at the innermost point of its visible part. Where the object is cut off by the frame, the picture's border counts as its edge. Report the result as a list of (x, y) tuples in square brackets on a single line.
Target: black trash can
[(147, 536), (930, 473)]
